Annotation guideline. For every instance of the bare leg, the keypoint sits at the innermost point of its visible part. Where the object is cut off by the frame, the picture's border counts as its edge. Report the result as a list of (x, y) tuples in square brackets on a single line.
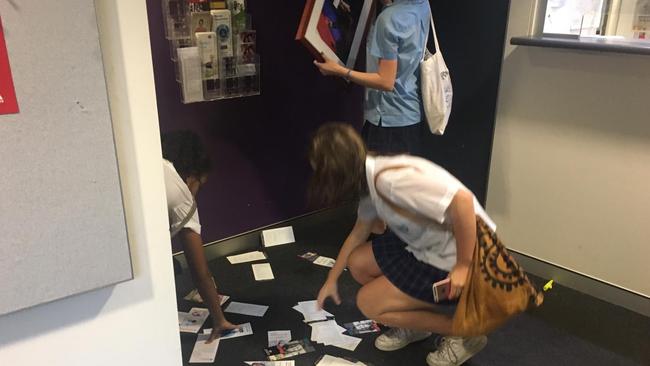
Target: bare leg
[(362, 264), (378, 227), (381, 301)]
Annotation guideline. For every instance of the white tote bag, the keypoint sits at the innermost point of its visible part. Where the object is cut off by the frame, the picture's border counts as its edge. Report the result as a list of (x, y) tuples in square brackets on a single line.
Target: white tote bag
[(435, 86)]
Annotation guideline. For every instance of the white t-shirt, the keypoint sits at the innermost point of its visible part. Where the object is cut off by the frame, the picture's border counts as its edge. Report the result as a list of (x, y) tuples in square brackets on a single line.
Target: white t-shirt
[(421, 187), (179, 200)]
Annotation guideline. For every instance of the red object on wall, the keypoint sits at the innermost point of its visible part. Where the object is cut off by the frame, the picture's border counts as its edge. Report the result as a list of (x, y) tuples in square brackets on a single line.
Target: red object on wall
[(8, 101)]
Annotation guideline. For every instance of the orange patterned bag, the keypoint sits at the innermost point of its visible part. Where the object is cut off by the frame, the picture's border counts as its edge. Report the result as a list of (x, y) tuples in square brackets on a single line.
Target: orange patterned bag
[(496, 288)]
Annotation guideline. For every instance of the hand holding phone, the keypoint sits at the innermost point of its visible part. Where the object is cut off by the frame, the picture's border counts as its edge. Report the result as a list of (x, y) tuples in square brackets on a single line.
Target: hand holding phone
[(441, 290)]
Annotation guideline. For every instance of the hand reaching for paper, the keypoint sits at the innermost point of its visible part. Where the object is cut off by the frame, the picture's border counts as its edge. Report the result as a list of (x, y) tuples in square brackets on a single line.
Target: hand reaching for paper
[(219, 327), (329, 289)]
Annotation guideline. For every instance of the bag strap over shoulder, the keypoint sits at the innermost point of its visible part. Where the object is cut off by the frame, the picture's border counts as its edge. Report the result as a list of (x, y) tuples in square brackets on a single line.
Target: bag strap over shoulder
[(435, 37), (187, 219), (401, 211)]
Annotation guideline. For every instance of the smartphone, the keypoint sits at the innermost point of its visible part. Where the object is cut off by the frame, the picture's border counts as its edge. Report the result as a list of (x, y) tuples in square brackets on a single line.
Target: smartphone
[(441, 290)]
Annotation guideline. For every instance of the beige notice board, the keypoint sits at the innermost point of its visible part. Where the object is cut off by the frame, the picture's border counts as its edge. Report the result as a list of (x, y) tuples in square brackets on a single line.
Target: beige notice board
[(61, 209)]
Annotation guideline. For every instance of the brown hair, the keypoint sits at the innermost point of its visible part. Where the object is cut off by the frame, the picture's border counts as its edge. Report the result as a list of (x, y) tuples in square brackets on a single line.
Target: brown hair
[(337, 156)]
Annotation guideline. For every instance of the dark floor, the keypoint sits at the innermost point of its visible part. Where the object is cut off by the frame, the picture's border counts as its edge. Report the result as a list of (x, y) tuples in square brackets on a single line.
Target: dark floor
[(569, 329)]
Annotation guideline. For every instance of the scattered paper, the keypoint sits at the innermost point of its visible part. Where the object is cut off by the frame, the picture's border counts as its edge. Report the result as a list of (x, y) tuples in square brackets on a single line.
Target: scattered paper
[(326, 332), (279, 337), (288, 350), (328, 324), (196, 297), (310, 311), (309, 256), (246, 257), (272, 363), (319, 259), (346, 342), (328, 360), (246, 309), (224, 298), (322, 332), (193, 321), (325, 261), (203, 352), (362, 327), (243, 330), (331, 334), (262, 272), (273, 237)]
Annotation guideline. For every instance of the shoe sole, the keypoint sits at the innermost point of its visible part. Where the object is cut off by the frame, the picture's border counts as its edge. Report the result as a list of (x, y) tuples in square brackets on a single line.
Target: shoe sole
[(402, 346)]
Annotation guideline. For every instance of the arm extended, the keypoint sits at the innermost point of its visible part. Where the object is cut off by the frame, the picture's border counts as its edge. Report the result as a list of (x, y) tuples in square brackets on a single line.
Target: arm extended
[(357, 236), (198, 264), (463, 218), (383, 79)]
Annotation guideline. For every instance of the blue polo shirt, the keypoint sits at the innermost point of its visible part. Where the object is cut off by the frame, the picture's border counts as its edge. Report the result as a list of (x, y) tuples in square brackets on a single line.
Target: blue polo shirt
[(398, 34)]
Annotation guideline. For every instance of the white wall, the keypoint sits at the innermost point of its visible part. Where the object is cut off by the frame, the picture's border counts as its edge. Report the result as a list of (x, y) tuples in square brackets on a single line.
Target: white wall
[(626, 18), (133, 323), (570, 174)]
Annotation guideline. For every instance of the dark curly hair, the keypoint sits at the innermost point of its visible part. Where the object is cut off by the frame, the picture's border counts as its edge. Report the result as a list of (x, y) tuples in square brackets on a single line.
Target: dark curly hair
[(337, 155), (184, 149)]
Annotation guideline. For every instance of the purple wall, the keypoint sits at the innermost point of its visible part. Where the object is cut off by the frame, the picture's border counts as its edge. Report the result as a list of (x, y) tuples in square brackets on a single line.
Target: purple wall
[(258, 144)]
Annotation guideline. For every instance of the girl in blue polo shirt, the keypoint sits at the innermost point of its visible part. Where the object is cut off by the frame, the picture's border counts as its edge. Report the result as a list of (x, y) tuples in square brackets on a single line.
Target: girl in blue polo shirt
[(393, 107)]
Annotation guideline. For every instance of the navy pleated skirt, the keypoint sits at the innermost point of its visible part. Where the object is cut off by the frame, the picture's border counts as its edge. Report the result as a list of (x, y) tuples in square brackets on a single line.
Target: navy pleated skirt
[(403, 270), (396, 140)]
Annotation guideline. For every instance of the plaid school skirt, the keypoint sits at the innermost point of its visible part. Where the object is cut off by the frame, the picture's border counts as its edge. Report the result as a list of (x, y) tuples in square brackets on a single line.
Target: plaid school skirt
[(403, 270)]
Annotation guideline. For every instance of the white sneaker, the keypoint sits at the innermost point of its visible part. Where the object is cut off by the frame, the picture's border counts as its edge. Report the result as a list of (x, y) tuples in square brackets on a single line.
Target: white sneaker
[(396, 338), (453, 351)]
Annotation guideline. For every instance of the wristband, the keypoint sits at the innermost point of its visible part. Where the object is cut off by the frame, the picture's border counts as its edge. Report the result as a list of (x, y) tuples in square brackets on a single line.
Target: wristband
[(347, 75)]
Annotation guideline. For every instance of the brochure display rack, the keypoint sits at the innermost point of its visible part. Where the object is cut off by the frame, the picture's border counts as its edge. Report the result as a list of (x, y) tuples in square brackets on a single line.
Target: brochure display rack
[(213, 47)]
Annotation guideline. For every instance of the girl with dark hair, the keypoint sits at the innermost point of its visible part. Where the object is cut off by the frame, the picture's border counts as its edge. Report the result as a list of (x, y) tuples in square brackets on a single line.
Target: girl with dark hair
[(186, 166), (431, 218)]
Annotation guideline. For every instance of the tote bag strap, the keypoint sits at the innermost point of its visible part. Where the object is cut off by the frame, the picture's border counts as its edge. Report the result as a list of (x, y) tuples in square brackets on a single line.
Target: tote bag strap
[(401, 211), (185, 220), (435, 37)]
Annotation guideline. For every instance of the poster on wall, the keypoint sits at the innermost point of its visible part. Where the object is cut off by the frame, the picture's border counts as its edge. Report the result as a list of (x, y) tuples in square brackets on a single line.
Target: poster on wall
[(334, 28), (8, 101)]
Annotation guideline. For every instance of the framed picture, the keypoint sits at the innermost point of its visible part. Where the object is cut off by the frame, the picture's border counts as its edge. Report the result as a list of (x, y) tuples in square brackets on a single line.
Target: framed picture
[(575, 18), (335, 28)]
